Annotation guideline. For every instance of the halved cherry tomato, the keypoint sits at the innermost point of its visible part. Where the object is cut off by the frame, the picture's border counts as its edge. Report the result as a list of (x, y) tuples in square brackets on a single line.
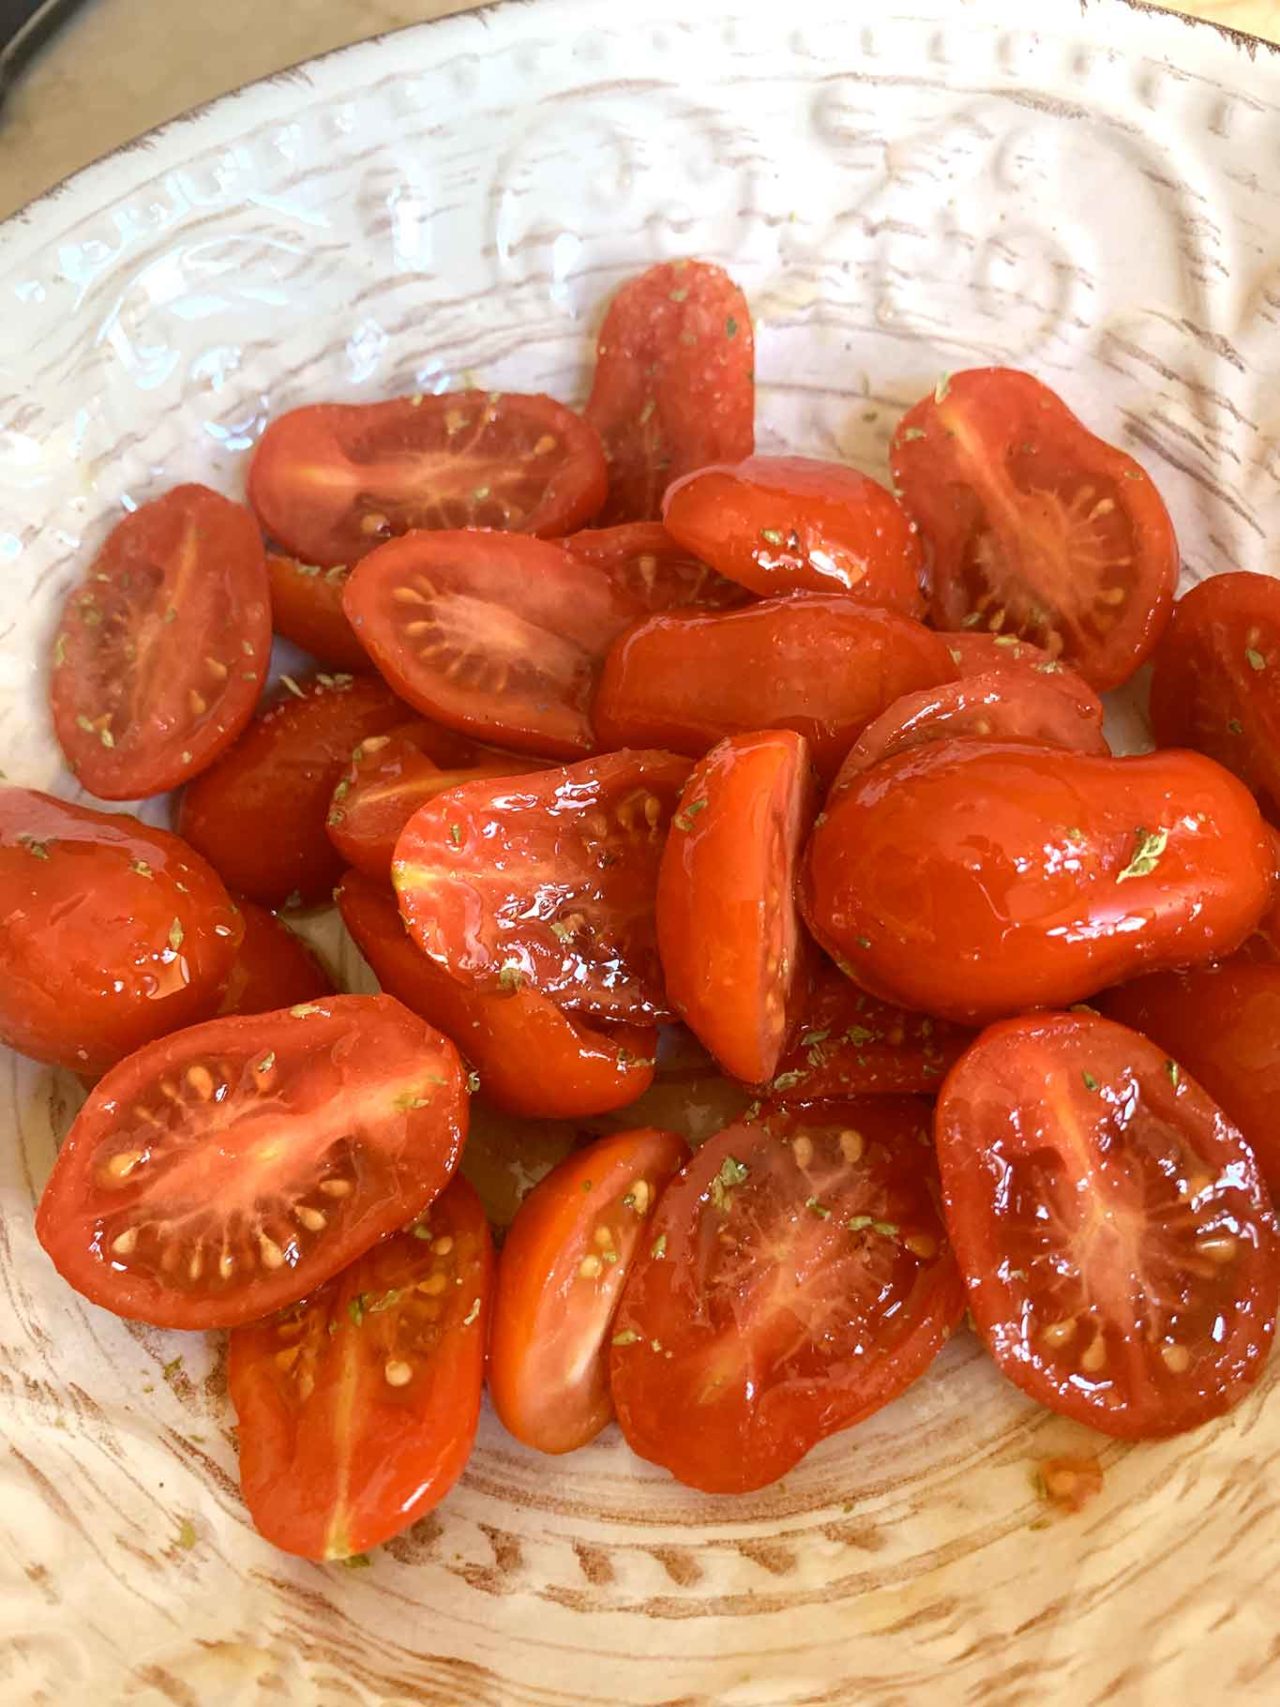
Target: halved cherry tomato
[(564, 1263), (979, 654), (1222, 1024), (849, 1044), (223, 1172), (259, 815), (1216, 685), (358, 1407), (1036, 527), (1002, 706), (333, 480), (547, 882), (495, 634), (798, 1279), (674, 385), (783, 524), (823, 666), (390, 777), (1117, 1243), (273, 968), (531, 1059), (973, 880), (646, 564), (111, 932), (162, 649), (734, 953), (306, 607)]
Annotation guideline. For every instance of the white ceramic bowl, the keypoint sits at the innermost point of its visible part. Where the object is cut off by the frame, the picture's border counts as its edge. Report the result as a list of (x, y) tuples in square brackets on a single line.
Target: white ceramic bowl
[(902, 189)]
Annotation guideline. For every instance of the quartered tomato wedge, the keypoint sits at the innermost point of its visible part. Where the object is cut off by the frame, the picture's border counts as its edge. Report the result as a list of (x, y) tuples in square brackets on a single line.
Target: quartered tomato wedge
[(111, 933), (972, 880), (1117, 1243), (333, 480), (823, 666), (1216, 685), (531, 1059), (846, 1043), (547, 882), (273, 967), (564, 1263), (980, 654), (391, 776), (674, 386), (1222, 1024), (997, 707), (1035, 527), (493, 634), (162, 649), (357, 1408), (647, 565), (228, 1169), (797, 1279), (306, 607), (734, 953), (782, 524), (259, 815)]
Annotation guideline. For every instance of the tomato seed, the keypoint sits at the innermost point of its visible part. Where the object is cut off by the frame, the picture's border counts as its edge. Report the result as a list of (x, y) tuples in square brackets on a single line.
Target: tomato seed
[(1220, 1248), (288, 1357), (124, 1244), (1112, 596), (852, 1145), (198, 703), (1176, 1359), (408, 596), (1094, 1357), (640, 1195), (195, 1268), (545, 445), (922, 1245), (272, 1255), (123, 1163), (374, 522), (336, 1187), (226, 1264), (433, 1285), (802, 1150), (590, 1267), (442, 1246), (216, 668), (398, 1373), (201, 1081), (603, 1238), (312, 1219), (1056, 1334)]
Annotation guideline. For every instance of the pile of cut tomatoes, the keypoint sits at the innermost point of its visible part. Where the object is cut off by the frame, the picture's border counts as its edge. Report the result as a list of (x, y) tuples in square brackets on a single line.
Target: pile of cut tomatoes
[(620, 741)]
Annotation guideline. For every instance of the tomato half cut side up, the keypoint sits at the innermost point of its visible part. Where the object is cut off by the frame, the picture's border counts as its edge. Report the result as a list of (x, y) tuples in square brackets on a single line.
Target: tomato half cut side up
[(358, 1407), (306, 607), (1216, 684), (674, 385), (1118, 1246), (531, 1059), (734, 953), (333, 480), (547, 882), (783, 524), (564, 1263), (258, 816), (1036, 527), (646, 564), (273, 967), (798, 1279), (493, 634), (223, 1172), (162, 650), (822, 665), (111, 932)]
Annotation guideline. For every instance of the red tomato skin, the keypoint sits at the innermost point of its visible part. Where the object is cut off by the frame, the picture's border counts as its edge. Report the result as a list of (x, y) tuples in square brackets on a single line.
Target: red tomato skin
[(200, 557), (674, 385), (1264, 945), (311, 487), (646, 564), (273, 967), (723, 915), (532, 1060), (972, 880), (547, 1392), (306, 608), (479, 871), (995, 707), (319, 1496), (786, 524), (822, 665), (977, 654), (258, 816), (112, 933), (848, 1044), (979, 451), (998, 1109), (727, 1403), (1222, 1024), (423, 1147), (1216, 683), (554, 617)]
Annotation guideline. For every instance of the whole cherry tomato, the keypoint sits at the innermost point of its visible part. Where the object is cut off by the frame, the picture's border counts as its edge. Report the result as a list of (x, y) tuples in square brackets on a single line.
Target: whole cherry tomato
[(1035, 527), (306, 607), (782, 524), (973, 880), (647, 565)]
